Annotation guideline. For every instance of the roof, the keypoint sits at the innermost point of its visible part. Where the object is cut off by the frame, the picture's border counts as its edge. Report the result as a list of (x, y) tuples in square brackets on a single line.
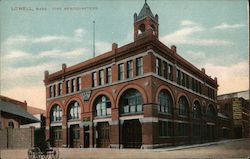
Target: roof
[(17, 110), (33, 110), (145, 11)]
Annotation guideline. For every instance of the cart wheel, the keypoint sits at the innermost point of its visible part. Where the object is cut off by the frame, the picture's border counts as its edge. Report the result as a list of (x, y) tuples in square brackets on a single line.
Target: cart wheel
[(45, 155), (31, 154), (37, 152), (55, 154)]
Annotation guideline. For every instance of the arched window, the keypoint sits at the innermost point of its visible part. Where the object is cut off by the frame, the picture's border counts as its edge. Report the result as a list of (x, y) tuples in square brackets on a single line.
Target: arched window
[(131, 102), (165, 102), (196, 110), (74, 110), (211, 113), (183, 106), (10, 124), (141, 28), (56, 113), (102, 106)]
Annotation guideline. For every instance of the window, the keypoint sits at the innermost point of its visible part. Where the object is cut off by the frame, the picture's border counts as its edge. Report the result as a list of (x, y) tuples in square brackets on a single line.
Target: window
[(139, 66), (165, 102), (158, 67), (165, 128), (187, 81), (165, 70), (60, 89), (183, 79), (57, 132), (108, 75), (94, 79), (56, 113), (183, 129), (73, 85), (11, 124), (129, 69), (178, 76), (183, 106), (131, 102), (102, 106), (120, 71), (54, 90), (74, 110), (101, 77), (196, 110), (211, 113), (67, 87), (78, 83), (50, 91), (170, 72)]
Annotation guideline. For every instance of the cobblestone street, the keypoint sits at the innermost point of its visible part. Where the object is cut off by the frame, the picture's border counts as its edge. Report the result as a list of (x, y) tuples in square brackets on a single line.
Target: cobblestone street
[(225, 149)]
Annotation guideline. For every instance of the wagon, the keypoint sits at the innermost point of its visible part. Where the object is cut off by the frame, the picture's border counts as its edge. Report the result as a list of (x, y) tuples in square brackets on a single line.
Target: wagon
[(43, 151)]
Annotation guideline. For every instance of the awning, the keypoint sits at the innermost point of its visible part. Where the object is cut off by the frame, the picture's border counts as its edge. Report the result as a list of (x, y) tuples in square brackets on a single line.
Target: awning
[(18, 111)]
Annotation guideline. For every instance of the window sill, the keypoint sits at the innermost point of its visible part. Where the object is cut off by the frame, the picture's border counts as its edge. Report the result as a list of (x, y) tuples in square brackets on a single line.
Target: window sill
[(134, 113), (102, 117)]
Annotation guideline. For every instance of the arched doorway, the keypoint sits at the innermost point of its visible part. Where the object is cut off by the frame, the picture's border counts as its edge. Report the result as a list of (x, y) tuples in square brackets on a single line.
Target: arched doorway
[(73, 115), (103, 135), (56, 126), (102, 109), (132, 134)]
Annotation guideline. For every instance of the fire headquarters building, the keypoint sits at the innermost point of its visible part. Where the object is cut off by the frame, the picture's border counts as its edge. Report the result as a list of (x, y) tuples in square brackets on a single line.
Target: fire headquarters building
[(140, 95)]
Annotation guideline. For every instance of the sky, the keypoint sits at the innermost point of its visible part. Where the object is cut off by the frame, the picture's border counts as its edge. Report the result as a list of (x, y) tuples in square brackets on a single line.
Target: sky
[(38, 35)]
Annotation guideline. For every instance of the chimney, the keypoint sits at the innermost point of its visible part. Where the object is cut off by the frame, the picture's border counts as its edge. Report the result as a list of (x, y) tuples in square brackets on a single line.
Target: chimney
[(215, 78), (203, 70), (114, 47), (46, 74), (173, 48)]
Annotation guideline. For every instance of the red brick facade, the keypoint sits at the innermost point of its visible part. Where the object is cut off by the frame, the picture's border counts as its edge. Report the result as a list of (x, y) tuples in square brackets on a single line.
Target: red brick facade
[(155, 97)]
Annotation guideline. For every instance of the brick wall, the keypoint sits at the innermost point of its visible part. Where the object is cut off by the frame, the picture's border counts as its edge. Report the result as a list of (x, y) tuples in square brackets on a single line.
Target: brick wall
[(16, 138)]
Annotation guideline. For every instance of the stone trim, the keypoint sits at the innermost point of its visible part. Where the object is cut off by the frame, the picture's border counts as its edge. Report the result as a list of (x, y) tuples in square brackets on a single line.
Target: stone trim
[(56, 124), (131, 117)]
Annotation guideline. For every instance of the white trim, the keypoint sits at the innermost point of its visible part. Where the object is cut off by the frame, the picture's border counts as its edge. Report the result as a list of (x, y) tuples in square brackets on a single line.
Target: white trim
[(56, 124), (163, 119), (132, 58), (164, 59), (69, 123), (209, 123), (131, 117), (102, 120), (180, 86), (135, 78)]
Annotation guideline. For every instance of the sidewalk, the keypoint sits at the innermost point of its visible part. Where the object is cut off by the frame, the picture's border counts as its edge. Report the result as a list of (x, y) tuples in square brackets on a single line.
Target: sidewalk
[(198, 145)]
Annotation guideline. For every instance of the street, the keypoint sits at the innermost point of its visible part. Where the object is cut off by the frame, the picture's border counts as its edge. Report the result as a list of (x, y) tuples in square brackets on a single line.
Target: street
[(223, 149)]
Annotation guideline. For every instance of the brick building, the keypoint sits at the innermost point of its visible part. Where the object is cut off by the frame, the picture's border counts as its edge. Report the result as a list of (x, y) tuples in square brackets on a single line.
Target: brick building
[(140, 95), (235, 107), (14, 114)]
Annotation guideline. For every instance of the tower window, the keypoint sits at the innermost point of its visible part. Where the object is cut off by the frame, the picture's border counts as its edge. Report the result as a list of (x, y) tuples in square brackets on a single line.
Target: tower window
[(141, 29)]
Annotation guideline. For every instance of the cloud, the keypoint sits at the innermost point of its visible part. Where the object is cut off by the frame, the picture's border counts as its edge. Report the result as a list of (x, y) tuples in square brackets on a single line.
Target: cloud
[(228, 26), (230, 78), (186, 35), (187, 23), (79, 32), (55, 53), (16, 54), (17, 40), (49, 38)]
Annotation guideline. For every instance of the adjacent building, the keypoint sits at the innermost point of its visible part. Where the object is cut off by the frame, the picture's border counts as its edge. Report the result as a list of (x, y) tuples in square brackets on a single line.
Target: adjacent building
[(140, 95), (236, 107)]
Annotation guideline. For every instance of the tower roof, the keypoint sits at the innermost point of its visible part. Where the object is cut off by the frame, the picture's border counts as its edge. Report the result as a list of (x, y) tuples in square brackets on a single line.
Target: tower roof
[(145, 11)]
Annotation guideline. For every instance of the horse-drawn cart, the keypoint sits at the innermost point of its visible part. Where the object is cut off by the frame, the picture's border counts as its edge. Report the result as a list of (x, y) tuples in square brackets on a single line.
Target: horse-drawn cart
[(43, 151)]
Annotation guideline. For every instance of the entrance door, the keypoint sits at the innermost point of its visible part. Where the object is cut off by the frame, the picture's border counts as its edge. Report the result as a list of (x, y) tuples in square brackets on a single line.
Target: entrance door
[(86, 136), (102, 135), (132, 134), (74, 136), (56, 136)]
